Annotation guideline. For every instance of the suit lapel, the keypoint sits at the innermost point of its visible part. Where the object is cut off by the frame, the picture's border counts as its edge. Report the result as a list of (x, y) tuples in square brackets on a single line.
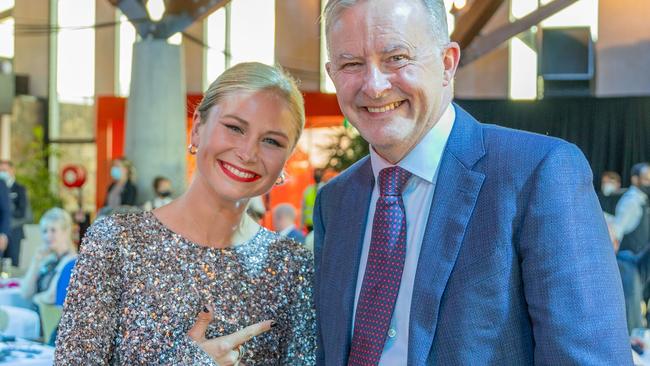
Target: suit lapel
[(457, 190), (341, 256)]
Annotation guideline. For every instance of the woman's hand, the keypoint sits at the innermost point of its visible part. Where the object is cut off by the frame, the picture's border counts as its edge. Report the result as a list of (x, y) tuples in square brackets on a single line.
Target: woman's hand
[(226, 350)]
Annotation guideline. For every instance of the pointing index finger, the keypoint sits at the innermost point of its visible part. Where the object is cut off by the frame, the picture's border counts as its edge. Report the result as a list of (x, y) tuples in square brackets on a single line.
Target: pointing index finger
[(244, 335)]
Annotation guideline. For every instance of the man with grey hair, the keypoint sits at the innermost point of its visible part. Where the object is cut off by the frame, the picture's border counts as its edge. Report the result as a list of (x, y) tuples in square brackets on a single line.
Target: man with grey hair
[(284, 217), (454, 242)]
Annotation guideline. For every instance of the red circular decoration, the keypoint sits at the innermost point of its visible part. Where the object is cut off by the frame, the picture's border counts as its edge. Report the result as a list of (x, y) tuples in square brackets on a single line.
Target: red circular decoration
[(73, 176)]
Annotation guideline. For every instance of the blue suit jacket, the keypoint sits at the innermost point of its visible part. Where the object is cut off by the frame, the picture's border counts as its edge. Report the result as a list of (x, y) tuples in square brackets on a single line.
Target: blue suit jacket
[(516, 267), (5, 210)]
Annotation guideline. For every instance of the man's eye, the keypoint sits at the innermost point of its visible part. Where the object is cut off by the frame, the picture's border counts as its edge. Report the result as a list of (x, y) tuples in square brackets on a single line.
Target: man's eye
[(348, 65), (397, 58)]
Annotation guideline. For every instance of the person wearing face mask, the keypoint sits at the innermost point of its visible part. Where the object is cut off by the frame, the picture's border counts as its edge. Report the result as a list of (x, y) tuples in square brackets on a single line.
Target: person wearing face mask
[(631, 222), (142, 278), (610, 191), (121, 191), (20, 208), (162, 188)]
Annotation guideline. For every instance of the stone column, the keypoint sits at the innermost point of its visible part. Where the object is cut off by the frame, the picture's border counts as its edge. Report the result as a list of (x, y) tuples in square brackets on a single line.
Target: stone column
[(156, 134)]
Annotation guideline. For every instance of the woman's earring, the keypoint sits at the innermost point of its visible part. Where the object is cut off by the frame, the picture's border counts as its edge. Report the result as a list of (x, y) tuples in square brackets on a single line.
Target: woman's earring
[(192, 149), (281, 179)]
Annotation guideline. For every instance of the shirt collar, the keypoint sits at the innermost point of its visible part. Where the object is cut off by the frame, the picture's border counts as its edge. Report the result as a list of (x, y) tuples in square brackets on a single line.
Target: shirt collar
[(425, 157)]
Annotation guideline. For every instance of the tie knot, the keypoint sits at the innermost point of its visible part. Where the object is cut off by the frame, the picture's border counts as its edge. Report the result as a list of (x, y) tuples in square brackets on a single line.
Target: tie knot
[(392, 181)]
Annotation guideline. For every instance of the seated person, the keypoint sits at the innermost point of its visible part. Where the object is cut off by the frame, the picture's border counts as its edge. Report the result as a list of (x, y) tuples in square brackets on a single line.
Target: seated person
[(40, 282), (284, 217), (635, 277)]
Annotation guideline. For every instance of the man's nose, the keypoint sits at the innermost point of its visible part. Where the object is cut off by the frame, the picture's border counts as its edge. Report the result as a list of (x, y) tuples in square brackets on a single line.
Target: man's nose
[(376, 83)]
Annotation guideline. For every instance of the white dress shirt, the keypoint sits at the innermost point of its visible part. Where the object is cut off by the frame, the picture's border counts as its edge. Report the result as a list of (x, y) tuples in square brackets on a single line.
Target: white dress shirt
[(423, 162)]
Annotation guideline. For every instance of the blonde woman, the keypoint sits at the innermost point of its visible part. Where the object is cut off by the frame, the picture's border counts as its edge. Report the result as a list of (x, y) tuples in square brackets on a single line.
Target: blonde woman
[(141, 279), (40, 282)]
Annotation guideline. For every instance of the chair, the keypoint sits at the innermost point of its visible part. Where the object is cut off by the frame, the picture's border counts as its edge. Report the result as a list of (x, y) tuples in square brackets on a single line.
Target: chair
[(51, 313), (50, 317)]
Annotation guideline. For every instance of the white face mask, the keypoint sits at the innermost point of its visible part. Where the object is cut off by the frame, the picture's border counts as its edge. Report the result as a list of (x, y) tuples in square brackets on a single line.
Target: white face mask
[(608, 188), (6, 177)]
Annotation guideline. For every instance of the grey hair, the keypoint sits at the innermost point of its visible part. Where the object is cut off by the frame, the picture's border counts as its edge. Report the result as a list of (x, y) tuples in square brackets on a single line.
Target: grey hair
[(435, 8), (284, 210)]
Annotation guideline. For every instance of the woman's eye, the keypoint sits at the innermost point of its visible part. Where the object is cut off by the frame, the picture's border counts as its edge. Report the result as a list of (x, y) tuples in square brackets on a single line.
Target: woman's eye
[(234, 128), (273, 142)]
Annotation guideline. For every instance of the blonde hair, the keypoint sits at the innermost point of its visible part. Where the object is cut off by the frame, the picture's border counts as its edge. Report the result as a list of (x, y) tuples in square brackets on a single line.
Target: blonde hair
[(250, 77), (436, 12), (57, 215)]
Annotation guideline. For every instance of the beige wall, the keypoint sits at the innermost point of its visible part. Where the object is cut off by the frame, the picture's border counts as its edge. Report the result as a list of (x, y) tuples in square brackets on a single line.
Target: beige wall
[(193, 55), (487, 77), (105, 49), (623, 48), (31, 52), (297, 39)]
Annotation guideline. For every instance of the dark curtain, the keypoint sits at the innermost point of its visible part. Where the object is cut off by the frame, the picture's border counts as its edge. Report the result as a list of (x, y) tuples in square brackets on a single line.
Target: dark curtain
[(613, 133)]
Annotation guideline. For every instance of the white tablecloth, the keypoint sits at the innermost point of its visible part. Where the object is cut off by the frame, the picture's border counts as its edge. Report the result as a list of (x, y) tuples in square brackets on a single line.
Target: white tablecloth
[(25, 353), (23, 323), (11, 295)]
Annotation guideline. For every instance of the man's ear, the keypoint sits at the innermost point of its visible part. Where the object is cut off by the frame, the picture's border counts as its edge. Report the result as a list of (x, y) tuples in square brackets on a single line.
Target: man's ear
[(450, 61), (328, 68)]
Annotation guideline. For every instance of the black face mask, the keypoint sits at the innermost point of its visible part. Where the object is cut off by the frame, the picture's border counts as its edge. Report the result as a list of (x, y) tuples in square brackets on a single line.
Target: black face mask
[(164, 194)]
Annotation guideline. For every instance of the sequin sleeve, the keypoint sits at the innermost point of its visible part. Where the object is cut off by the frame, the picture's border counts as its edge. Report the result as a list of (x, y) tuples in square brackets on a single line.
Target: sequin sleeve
[(90, 314), (301, 328)]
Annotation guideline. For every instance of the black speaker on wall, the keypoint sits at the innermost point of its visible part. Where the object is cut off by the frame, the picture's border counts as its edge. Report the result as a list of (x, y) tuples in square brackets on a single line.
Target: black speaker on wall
[(566, 62)]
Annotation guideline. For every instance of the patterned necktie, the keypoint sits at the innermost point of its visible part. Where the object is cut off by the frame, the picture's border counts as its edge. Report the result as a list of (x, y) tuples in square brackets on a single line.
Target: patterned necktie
[(384, 267)]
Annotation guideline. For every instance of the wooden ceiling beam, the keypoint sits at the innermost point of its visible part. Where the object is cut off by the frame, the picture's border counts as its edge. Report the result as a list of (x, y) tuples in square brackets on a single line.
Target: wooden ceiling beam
[(470, 23), (484, 44)]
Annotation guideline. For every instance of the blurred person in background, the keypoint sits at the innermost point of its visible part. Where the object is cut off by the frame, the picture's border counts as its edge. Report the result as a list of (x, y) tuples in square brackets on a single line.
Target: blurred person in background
[(610, 191), (162, 188), (121, 191), (5, 219), (284, 218), (631, 223), (21, 212), (40, 282), (309, 198), (141, 279)]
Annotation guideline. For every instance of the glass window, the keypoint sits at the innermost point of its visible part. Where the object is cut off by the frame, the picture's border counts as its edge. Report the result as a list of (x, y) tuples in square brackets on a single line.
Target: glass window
[(252, 31), (215, 53), (176, 38), (126, 37), (523, 70), (326, 84), (76, 51), (6, 4), (7, 37), (583, 13)]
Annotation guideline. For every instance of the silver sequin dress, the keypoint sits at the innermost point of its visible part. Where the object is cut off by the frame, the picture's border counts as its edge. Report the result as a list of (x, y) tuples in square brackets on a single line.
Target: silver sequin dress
[(137, 288)]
